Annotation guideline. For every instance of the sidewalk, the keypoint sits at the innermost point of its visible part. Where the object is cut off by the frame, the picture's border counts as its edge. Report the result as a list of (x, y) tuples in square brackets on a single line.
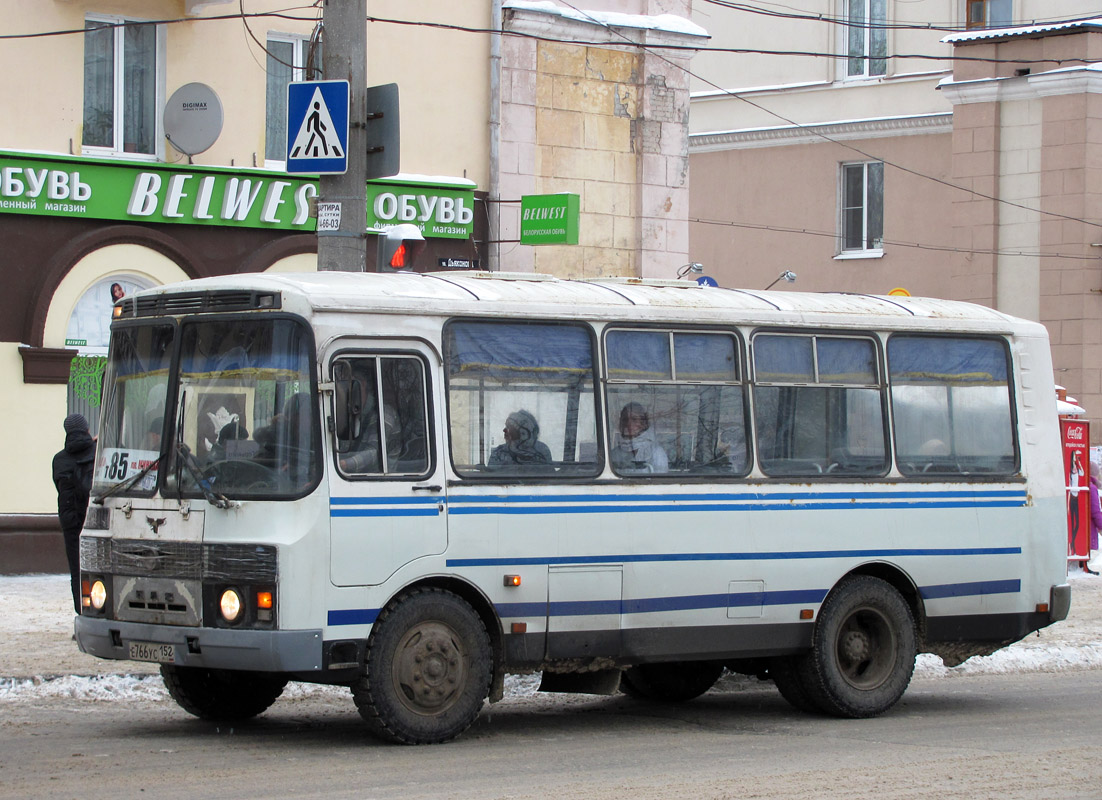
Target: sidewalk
[(37, 625)]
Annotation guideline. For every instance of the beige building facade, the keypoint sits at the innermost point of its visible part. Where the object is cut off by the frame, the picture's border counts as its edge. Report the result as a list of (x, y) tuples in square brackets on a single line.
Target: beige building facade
[(95, 197), (934, 156)]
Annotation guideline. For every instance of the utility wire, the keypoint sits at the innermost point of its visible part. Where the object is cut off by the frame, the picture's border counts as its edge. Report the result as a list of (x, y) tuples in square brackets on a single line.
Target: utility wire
[(946, 27), (892, 242), (537, 37), (825, 137)]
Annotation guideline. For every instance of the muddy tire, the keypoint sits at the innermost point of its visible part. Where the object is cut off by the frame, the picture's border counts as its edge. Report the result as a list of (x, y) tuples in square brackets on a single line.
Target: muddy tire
[(429, 665), (863, 650)]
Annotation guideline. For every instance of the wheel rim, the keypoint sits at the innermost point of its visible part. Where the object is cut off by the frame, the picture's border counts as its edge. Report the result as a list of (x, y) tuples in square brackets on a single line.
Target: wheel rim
[(430, 668), (866, 648)]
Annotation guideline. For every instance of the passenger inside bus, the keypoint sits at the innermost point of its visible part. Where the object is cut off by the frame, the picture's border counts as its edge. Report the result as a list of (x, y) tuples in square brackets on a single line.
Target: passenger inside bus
[(636, 450), (522, 444)]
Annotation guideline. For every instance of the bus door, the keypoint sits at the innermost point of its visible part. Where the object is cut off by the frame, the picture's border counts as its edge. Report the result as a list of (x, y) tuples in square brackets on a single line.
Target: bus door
[(387, 502)]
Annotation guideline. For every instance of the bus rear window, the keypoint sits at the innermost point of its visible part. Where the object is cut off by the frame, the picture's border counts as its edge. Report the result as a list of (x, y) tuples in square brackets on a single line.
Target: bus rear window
[(952, 405)]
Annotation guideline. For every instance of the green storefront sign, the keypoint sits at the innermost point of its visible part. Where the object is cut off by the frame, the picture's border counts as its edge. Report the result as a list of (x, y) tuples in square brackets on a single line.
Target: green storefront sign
[(549, 218), (130, 191), (439, 213)]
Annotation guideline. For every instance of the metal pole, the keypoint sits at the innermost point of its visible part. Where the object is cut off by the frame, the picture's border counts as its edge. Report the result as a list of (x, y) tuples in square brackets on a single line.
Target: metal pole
[(344, 57)]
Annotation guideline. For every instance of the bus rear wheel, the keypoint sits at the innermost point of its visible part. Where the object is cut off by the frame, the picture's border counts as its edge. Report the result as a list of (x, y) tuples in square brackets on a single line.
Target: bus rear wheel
[(863, 650), (429, 666), (673, 682), (222, 695)]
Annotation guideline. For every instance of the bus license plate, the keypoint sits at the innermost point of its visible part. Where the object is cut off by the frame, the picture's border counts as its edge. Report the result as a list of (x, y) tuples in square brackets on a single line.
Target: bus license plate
[(148, 651)]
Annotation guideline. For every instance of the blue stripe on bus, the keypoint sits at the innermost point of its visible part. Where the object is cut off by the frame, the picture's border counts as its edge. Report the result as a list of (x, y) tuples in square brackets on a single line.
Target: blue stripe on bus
[(809, 506), (384, 512), (970, 589), (353, 616), (575, 608), (1019, 494), (766, 556), (528, 504), (365, 501)]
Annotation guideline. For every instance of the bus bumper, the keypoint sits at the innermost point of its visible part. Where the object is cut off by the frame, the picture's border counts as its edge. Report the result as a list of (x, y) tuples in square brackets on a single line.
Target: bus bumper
[(1060, 604), (215, 648)]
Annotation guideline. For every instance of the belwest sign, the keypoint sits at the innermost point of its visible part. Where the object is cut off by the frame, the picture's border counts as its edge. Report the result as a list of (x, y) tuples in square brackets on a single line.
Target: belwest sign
[(125, 191), (138, 192), (549, 218)]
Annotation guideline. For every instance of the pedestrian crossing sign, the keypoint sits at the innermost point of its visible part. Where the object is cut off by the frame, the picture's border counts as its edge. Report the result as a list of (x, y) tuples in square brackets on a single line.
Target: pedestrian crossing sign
[(317, 127)]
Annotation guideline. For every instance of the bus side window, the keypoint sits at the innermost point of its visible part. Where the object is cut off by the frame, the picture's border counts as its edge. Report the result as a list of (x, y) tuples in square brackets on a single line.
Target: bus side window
[(521, 399)]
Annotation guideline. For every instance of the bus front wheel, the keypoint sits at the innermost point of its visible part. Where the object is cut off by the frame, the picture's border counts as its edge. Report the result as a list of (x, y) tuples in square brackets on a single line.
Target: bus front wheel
[(429, 666), (222, 695), (863, 650)]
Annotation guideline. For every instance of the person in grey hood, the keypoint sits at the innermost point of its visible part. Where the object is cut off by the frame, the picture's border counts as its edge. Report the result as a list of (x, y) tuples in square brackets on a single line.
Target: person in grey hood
[(72, 469)]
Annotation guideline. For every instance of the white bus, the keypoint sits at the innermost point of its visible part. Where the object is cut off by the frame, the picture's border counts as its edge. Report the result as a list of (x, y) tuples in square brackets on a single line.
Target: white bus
[(414, 484)]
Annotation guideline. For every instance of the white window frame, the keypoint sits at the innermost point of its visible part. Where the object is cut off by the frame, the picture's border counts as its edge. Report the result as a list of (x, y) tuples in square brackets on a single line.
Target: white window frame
[(986, 16), (116, 150), (301, 45), (864, 251), (845, 32)]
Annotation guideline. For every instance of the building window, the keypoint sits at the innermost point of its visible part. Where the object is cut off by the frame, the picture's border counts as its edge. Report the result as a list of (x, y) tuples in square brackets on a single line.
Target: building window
[(988, 13), (867, 38), (288, 57), (862, 208), (121, 86)]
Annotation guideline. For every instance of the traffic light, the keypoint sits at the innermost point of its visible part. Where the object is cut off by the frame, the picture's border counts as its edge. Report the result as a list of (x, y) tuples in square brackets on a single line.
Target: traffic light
[(399, 248)]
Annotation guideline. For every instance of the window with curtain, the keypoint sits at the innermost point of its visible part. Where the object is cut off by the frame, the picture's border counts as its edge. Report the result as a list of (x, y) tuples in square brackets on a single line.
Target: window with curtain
[(866, 38), (120, 86), (862, 212), (290, 58), (819, 405), (676, 403)]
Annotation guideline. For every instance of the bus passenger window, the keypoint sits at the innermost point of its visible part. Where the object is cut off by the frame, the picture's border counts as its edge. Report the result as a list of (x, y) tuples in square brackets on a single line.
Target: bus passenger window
[(818, 406), (521, 399), (675, 403), (390, 442), (951, 404)]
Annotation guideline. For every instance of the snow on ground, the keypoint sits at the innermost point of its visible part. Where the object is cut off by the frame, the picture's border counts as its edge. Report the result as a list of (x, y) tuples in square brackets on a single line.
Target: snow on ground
[(39, 660)]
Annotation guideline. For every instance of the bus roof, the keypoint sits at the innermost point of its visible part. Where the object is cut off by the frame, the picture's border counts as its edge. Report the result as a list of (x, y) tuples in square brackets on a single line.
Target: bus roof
[(476, 293)]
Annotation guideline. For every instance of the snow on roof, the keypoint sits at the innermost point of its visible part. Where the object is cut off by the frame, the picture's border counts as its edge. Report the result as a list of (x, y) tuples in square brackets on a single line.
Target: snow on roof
[(1022, 30), (613, 19)]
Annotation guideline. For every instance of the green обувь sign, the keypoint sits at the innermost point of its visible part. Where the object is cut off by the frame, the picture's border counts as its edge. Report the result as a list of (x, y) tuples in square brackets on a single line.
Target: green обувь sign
[(549, 218), (66, 186)]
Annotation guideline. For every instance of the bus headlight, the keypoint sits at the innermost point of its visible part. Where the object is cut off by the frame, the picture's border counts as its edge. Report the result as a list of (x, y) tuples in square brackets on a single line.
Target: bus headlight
[(231, 606), (98, 595)]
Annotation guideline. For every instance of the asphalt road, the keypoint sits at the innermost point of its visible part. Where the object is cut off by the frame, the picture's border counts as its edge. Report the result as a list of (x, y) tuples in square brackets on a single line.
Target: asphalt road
[(988, 736)]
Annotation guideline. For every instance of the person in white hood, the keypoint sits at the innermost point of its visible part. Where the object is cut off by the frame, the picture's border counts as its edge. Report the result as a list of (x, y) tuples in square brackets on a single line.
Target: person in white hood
[(636, 450)]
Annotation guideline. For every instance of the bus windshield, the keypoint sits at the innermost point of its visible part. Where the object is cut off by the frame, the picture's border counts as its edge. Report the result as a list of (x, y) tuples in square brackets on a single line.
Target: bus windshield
[(243, 403)]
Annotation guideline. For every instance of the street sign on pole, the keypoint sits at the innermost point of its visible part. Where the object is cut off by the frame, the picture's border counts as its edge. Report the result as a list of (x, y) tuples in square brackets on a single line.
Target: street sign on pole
[(317, 127)]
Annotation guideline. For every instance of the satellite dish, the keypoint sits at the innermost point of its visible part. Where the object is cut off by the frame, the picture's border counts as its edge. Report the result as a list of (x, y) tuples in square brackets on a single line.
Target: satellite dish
[(193, 118)]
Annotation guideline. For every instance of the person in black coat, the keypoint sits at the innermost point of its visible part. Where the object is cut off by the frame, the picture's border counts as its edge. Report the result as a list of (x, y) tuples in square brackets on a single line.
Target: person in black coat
[(72, 469)]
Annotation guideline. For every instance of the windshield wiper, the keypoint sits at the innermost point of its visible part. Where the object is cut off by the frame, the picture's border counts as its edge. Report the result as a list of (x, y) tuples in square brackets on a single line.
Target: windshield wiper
[(184, 456), (129, 482)]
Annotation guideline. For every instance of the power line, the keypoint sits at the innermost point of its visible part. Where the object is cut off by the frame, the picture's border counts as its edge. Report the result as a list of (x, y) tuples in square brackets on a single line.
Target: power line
[(537, 37), (946, 27), (892, 242), (813, 131)]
